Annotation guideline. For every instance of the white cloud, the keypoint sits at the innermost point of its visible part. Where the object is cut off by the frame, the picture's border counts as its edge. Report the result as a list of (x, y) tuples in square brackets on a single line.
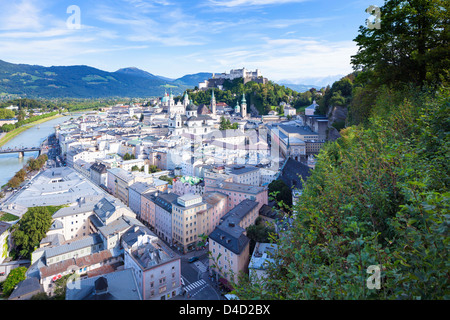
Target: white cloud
[(285, 58), (166, 27), (238, 3), (15, 15)]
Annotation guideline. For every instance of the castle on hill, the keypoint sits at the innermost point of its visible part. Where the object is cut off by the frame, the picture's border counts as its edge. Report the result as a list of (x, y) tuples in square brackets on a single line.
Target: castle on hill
[(217, 80)]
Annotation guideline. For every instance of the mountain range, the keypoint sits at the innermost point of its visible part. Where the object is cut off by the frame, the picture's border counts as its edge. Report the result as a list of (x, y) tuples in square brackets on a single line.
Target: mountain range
[(80, 81), (298, 84)]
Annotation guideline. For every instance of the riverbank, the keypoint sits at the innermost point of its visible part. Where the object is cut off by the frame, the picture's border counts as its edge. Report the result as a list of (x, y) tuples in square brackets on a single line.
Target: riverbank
[(10, 135)]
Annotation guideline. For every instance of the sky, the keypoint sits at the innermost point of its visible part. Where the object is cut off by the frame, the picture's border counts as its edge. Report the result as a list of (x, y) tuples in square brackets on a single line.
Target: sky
[(289, 40)]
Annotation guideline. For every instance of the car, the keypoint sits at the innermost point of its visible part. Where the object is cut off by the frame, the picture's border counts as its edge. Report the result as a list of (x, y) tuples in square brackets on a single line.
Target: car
[(193, 259)]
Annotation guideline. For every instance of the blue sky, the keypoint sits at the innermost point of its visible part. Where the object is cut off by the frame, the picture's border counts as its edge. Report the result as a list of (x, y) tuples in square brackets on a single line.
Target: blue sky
[(285, 39)]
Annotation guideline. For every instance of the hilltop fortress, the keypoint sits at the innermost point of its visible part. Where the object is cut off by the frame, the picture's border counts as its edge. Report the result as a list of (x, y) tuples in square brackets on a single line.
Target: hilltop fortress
[(217, 80)]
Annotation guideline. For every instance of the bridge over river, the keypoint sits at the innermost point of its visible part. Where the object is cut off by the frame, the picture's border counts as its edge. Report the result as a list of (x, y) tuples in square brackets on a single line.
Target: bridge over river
[(21, 151)]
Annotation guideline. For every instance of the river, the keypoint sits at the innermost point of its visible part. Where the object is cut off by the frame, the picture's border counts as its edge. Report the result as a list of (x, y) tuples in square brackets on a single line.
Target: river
[(10, 163)]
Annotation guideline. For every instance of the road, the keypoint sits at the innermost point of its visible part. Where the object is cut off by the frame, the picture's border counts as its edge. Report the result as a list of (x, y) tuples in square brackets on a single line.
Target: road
[(195, 276), (54, 153)]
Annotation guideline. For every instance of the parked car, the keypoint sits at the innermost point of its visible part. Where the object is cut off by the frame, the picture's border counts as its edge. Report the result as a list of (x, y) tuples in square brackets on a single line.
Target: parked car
[(193, 259)]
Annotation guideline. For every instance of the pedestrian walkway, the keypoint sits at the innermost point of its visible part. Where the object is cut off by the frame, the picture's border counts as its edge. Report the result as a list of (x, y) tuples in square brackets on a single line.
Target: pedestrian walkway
[(195, 287)]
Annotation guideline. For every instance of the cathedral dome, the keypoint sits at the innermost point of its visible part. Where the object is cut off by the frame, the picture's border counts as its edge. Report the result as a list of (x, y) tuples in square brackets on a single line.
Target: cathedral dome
[(191, 107)]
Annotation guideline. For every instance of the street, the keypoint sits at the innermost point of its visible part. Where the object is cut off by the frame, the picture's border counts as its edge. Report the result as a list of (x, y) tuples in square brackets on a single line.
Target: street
[(195, 276), (54, 152)]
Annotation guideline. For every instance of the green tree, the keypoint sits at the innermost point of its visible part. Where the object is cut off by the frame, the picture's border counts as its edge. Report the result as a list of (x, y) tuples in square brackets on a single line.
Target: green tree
[(259, 232), (14, 182), (126, 156), (223, 123), (153, 169), (61, 286), (411, 45), (166, 178), (31, 229), (6, 114), (280, 191), (40, 296), (16, 276), (377, 196)]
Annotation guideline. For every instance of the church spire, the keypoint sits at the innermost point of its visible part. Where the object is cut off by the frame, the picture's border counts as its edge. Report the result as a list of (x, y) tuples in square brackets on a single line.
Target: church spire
[(243, 106), (213, 103)]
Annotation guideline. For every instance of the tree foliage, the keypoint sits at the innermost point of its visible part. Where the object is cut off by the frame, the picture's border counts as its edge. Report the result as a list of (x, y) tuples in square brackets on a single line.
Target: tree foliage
[(281, 192), (378, 196), (16, 276), (225, 124), (411, 45), (31, 229), (127, 156), (261, 96)]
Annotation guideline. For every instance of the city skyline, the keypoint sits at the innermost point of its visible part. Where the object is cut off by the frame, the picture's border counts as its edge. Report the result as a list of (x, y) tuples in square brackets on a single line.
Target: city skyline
[(287, 40)]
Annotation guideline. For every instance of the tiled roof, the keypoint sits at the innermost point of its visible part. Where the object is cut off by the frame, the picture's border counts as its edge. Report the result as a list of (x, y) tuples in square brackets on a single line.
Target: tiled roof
[(231, 236), (292, 171)]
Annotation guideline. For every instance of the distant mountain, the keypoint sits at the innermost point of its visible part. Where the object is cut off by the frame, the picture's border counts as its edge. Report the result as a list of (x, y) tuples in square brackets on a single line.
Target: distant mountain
[(82, 82), (137, 72), (190, 80), (193, 79), (299, 87), (315, 82)]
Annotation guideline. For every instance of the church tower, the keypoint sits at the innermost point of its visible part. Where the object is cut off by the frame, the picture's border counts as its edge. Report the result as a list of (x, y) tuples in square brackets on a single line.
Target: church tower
[(185, 100), (237, 108), (213, 103), (244, 106), (171, 100)]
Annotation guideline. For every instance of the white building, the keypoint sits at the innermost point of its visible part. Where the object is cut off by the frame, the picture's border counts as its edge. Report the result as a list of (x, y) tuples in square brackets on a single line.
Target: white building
[(310, 110), (157, 269), (263, 255)]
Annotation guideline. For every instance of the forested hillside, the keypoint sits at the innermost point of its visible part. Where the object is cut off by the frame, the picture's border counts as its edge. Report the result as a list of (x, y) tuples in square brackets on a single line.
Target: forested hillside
[(378, 195), (264, 97), (82, 82)]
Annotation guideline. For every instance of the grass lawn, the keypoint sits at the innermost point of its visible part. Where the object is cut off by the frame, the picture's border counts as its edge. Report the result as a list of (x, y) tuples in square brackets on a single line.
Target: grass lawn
[(301, 109), (5, 216), (9, 135)]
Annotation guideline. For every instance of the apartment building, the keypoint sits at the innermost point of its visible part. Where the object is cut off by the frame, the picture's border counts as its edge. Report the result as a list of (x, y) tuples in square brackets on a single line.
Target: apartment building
[(148, 209), (163, 215), (244, 174), (119, 181), (157, 270), (244, 214), (73, 221), (229, 247), (98, 174), (217, 207), (135, 192), (238, 192), (189, 217)]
